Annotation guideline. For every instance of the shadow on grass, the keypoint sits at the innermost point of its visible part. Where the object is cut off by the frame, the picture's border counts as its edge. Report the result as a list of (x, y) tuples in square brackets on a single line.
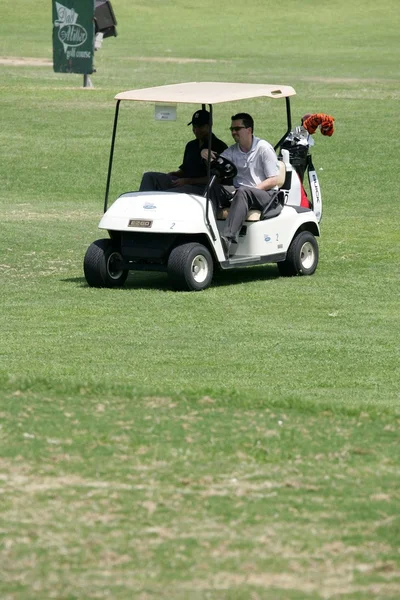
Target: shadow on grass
[(159, 281), (146, 281), (245, 275)]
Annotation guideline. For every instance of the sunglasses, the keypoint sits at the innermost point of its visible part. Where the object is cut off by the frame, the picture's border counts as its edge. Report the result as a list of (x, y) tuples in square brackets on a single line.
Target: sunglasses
[(237, 128)]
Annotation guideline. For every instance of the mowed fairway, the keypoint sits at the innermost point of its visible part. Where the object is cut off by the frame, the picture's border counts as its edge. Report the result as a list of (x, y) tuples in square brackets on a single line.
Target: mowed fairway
[(238, 443)]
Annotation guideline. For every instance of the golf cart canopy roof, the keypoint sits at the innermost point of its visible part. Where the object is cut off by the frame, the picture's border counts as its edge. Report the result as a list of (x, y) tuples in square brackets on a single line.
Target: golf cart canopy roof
[(207, 92), (202, 92)]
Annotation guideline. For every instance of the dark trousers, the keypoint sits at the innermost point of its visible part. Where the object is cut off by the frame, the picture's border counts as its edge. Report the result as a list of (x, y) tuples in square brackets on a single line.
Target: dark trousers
[(245, 199), (162, 182)]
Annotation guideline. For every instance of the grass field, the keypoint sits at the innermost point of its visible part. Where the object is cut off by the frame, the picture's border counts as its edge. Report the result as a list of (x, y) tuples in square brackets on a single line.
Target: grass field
[(238, 443)]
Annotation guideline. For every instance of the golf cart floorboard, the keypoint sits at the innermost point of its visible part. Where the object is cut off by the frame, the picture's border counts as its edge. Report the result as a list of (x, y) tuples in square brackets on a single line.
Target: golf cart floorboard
[(246, 261)]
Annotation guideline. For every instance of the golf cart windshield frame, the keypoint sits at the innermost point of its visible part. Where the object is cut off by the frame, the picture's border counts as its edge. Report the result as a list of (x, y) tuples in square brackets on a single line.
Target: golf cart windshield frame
[(201, 93)]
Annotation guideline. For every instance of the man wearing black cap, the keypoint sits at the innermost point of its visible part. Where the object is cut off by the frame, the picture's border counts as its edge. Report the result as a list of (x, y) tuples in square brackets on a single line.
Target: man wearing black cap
[(191, 177)]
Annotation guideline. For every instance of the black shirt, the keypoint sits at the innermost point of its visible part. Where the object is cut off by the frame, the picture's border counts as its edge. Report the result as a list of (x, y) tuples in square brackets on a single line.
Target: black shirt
[(193, 165)]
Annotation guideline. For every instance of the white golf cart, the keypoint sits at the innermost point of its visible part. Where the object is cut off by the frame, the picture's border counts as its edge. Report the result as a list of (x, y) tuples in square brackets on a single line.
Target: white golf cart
[(179, 233)]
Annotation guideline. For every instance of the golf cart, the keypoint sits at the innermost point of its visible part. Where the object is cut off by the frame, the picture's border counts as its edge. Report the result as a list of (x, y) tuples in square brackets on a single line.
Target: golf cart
[(180, 234)]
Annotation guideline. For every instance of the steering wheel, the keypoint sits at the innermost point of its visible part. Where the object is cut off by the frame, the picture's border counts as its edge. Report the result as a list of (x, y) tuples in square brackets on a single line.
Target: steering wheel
[(223, 168)]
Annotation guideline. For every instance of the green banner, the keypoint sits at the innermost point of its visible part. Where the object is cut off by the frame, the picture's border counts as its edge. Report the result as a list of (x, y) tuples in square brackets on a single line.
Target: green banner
[(73, 36)]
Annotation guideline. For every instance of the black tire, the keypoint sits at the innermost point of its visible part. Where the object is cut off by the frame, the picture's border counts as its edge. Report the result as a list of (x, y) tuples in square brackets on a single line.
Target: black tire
[(302, 256), (190, 267), (102, 265)]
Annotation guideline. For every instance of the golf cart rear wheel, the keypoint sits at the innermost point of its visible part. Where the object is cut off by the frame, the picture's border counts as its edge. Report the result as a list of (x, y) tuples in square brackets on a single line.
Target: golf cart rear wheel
[(302, 256), (190, 267), (102, 265)]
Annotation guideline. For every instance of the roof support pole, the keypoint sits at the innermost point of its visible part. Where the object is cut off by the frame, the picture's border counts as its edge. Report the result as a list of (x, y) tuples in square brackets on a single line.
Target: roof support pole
[(289, 123), (114, 133), (209, 174)]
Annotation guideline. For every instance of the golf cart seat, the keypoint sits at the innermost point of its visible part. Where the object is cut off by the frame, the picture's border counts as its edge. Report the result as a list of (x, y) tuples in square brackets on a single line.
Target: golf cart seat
[(254, 214)]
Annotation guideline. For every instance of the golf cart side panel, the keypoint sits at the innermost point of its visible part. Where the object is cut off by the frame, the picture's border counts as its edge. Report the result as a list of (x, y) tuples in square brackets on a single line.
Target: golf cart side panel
[(302, 220), (260, 238), (273, 236)]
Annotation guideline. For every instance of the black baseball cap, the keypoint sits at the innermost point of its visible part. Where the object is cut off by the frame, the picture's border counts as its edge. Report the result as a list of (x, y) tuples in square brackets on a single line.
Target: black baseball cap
[(200, 117)]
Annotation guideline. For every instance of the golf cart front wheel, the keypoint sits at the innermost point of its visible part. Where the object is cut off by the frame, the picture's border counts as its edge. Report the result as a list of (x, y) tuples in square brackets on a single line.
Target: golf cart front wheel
[(190, 267), (102, 265), (302, 256)]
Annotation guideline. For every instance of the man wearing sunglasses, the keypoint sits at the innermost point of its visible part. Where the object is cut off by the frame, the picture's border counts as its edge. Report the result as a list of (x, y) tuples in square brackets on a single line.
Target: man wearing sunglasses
[(256, 180), (191, 177)]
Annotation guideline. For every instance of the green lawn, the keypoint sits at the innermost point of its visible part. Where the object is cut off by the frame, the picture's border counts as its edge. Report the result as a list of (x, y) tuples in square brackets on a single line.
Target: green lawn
[(241, 442)]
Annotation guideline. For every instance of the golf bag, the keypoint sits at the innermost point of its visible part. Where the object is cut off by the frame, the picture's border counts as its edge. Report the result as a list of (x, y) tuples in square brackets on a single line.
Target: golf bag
[(297, 144), (294, 152)]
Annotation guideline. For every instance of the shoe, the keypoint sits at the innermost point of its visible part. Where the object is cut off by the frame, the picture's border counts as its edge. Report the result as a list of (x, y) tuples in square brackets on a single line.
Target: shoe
[(226, 245), (233, 248)]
